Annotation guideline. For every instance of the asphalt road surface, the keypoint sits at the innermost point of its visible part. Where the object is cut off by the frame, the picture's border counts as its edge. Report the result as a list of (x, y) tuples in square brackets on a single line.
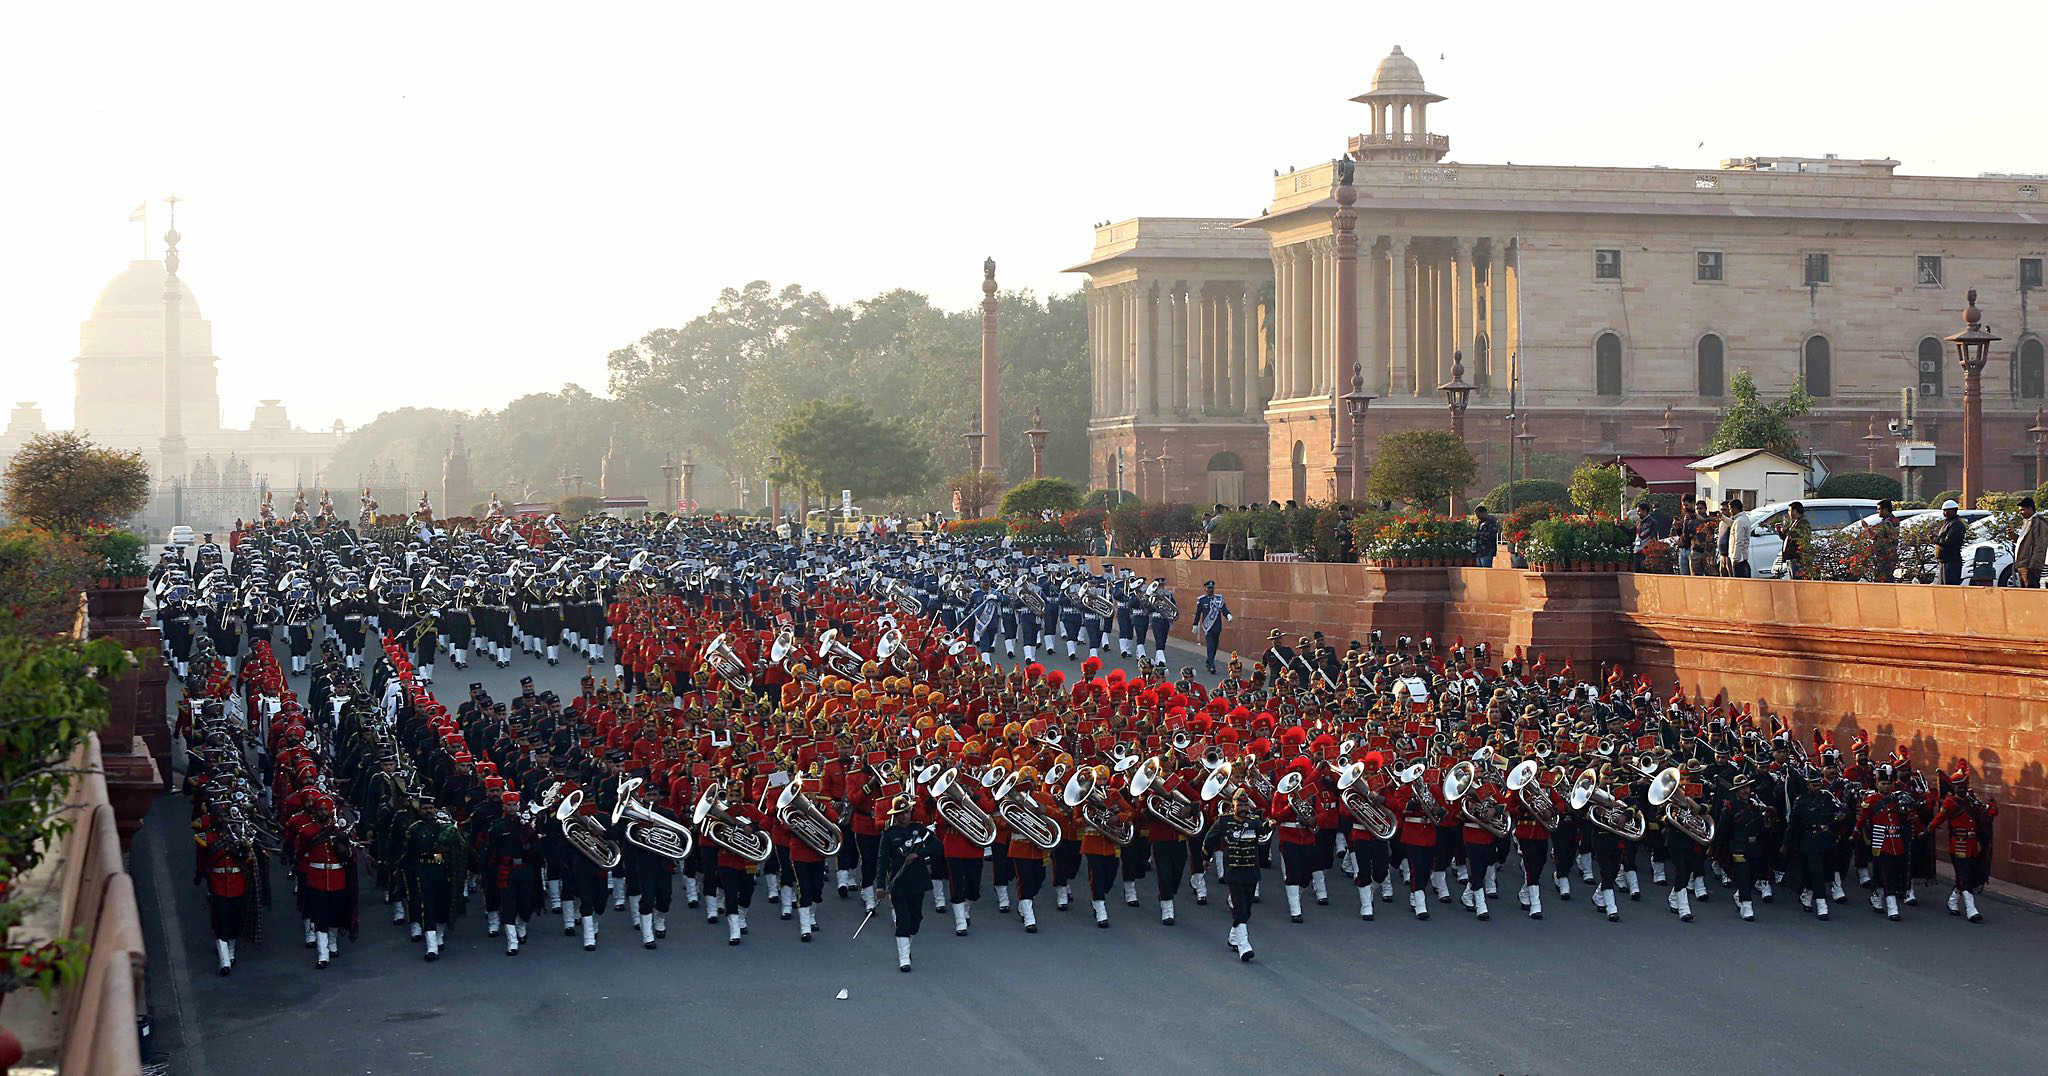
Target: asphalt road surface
[(1571, 993)]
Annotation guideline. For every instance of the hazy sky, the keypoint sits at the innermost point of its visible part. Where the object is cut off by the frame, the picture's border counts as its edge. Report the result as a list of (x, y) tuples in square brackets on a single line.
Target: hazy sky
[(452, 204)]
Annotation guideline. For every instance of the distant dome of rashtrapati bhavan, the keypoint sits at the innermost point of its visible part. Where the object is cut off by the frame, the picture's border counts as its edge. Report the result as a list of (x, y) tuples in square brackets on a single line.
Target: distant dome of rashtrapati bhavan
[(120, 396), (1623, 301)]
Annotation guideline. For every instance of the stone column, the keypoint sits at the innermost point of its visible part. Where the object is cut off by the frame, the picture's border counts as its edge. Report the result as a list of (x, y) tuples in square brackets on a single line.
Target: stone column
[(991, 397), (1373, 306), (1252, 396), (1173, 339), (1496, 304), (1095, 350), (1148, 365), (1397, 316), (1280, 326), (1446, 307), (1211, 333), (1303, 313), (1511, 315), (1424, 328), (1120, 346), (1192, 358)]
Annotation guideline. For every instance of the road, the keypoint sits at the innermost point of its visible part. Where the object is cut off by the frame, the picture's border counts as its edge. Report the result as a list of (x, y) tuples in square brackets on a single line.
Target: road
[(1569, 993)]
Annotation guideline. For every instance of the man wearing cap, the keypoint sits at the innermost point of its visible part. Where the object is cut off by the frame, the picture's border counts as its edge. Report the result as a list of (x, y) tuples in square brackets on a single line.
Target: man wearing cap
[(1278, 662), (2030, 551), (906, 873), (1949, 542), (1239, 835), (1210, 613)]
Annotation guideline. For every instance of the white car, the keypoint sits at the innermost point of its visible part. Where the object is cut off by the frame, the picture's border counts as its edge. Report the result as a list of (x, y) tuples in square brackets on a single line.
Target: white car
[(1987, 559), (1822, 514), (182, 535)]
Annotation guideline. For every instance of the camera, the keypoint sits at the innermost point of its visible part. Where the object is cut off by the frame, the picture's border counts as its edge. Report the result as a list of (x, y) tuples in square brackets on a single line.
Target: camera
[(1893, 426)]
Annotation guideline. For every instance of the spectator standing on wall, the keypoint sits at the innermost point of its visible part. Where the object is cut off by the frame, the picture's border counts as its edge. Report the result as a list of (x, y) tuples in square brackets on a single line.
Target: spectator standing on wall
[(1485, 537), (1884, 542), (1688, 528), (1948, 543), (1652, 525), (1796, 533), (2030, 551), (1209, 523), (1736, 547), (1705, 534)]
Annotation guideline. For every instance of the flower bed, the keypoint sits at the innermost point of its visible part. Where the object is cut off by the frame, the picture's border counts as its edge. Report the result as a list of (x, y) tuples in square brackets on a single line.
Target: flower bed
[(1584, 543), (1415, 540)]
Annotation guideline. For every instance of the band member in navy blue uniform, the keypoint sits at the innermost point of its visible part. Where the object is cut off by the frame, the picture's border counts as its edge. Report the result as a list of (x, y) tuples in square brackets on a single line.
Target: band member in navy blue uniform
[(907, 873), (982, 621), (1121, 592), (1210, 613), (1239, 835), (1163, 612), (1030, 600)]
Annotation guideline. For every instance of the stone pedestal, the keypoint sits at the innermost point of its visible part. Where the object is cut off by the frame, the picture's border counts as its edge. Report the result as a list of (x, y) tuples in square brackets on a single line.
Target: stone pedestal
[(1571, 616), (1401, 601), (135, 745)]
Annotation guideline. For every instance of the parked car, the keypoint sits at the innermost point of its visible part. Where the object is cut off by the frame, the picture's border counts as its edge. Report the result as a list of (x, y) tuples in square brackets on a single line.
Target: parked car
[(1987, 559), (182, 535), (1822, 514)]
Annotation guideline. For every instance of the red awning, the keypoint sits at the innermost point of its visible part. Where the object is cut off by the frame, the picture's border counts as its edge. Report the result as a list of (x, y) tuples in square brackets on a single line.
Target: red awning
[(1660, 474)]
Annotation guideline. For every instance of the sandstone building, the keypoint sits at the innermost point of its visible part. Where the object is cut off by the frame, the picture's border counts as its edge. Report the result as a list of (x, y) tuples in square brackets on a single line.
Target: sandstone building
[(1612, 293)]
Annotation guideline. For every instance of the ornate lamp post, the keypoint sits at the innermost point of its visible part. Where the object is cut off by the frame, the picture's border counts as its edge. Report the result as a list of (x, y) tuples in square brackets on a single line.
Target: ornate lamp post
[(1871, 441), (1162, 460), (1138, 450), (1356, 403), (1526, 440), (774, 489), (973, 437), (1973, 346), (1037, 435), (2040, 435), (1459, 392), (689, 467), (668, 481), (1670, 431)]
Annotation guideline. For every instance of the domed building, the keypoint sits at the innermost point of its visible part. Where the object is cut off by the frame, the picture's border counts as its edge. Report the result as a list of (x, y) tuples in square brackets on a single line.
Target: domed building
[(223, 470)]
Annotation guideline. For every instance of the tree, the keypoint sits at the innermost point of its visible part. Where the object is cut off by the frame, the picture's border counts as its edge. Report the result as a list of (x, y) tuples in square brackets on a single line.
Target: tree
[(973, 491), (837, 444), (1511, 495), (1419, 467), (63, 481), (1597, 487), (1749, 422), (1867, 484), (1039, 495), (579, 506)]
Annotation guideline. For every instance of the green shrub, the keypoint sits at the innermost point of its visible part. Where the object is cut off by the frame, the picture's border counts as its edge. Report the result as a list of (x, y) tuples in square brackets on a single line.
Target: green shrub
[(1039, 495), (1955, 495), (1866, 484), (1596, 487), (1527, 491), (1107, 498)]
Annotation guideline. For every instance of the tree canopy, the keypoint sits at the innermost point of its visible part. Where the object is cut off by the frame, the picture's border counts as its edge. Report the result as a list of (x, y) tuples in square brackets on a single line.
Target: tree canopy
[(63, 481), (1419, 467), (1750, 422), (830, 445), (1597, 487), (1040, 494)]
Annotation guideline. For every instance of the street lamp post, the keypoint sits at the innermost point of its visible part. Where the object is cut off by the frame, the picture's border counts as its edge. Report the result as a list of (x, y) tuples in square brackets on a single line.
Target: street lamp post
[(689, 468), (1527, 440), (1459, 392), (1138, 450), (1670, 431), (973, 437), (1871, 441), (774, 490), (1973, 346), (1162, 460), (2040, 435), (1037, 435), (1356, 403), (668, 481)]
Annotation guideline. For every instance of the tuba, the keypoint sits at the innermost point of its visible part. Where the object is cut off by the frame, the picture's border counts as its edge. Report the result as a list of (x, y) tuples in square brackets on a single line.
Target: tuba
[(1422, 801), (1166, 805), (726, 662), (718, 826), (803, 819), (838, 658), (1015, 806), (649, 829), (1522, 781), (890, 651), (1462, 779), (1085, 792), (1367, 809), (584, 833), (1682, 811), (1606, 812), (959, 810)]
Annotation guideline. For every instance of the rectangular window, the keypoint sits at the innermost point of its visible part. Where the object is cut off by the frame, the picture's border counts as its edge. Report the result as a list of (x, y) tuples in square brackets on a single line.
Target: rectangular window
[(2030, 272), (1607, 265), (1816, 269), (1708, 266), (1927, 271)]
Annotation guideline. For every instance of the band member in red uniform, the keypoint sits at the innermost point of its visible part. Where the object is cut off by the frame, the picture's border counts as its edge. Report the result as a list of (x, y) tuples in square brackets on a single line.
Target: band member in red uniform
[(224, 864), (1293, 814), (867, 827), (1885, 821), (1026, 858), (512, 859), (1372, 855), (1418, 809), (963, 855), (1482, 847), (1103, 854), (807, 864), (327, 878), (736, 873), (1533, 840), (1969, 839)]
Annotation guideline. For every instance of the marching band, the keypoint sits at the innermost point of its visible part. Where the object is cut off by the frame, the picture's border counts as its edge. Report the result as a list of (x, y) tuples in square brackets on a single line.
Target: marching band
[(758, 715)]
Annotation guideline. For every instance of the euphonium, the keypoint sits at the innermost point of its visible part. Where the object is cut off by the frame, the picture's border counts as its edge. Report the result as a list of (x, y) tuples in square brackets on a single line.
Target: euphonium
[(1166, 804), (1368, 809), (1016, 806), (959, 810), (1086, 792), (584, 833), (803, 819), (842, 660), (720, 828), (648, 828), (1682, 811), (1606, 812), (1523, 782), (725, 661)]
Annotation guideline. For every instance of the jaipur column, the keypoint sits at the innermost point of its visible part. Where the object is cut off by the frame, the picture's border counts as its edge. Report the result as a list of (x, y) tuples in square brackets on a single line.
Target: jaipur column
[(1254, 394), (1496, 307), (1148, 365), (1397, 316)]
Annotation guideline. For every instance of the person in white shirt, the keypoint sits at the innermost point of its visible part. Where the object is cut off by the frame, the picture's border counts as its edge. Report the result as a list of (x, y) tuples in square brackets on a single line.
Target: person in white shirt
[(1738, 537)]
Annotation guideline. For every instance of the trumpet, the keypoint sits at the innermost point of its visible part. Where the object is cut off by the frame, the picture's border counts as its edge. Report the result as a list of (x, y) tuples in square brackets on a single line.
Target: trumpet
[(803, 818), (649, 829)]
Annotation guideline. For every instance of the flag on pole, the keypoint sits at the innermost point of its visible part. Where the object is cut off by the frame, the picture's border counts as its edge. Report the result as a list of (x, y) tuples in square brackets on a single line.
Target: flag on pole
[(140, 212)]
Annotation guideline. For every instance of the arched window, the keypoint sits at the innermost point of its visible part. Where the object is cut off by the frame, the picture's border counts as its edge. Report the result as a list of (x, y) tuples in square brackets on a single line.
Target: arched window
[(1713, 381), (1932, 361), (1607, 365), (1482, 362), (1818, 367), (2030, 368), (1299, 485)]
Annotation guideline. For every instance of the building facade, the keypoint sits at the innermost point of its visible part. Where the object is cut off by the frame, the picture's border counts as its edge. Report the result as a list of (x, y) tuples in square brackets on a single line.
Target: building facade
[(1611, 294)]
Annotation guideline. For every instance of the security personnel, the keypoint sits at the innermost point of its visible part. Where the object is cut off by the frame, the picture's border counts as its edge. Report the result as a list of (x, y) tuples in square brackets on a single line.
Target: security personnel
[(1238, 835), (906, 873), (1210, 613)]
